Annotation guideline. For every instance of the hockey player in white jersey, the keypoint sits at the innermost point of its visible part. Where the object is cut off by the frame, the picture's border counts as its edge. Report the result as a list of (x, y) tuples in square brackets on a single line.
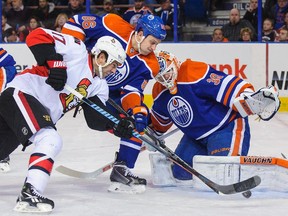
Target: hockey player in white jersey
[(35, 100)]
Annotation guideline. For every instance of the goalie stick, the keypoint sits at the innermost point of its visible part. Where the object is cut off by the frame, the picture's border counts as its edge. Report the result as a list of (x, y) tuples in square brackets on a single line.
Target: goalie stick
[(238, 187), (88, 175)]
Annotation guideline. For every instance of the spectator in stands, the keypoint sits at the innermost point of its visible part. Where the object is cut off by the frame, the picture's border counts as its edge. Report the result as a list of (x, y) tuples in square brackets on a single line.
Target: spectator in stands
[(166, 11), (212, 5), (285, 25), (217, 36), (147, 2), (269, 4), (232, 29), (5, 25), (108, 7), (18, 15), (132, 14), (74, 7), (30, 2), (34, 23), (277, 13), (252, 14), (268, 32), (246, 35), (46, 13), (61, 19), (7, 5), (61, 2), (283, 35), (11, 36)]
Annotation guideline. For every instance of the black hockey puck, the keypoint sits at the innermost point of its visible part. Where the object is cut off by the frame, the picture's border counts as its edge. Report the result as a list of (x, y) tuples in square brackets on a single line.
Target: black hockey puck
[(247, 194)]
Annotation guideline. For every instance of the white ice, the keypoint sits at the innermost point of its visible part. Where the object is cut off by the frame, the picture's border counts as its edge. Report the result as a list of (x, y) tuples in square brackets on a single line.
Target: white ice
[(87, 150)]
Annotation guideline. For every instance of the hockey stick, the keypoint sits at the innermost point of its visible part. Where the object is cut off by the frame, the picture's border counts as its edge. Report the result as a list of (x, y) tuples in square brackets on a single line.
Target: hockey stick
[(219, 189), (88, 175)]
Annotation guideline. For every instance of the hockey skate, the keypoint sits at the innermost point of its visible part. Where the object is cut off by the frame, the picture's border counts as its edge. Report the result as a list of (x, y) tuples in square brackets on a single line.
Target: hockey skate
[(123, 181), (5, 165), (30, 200)]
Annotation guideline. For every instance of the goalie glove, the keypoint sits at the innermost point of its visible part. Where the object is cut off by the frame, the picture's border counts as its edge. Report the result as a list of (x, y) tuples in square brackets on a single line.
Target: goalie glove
[(264, 103)]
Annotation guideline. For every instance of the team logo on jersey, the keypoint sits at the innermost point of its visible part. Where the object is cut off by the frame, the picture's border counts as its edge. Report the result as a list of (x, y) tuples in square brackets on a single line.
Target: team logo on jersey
[(69, 101), (180, 111), (47, 118), (214, 78), (121, 74)]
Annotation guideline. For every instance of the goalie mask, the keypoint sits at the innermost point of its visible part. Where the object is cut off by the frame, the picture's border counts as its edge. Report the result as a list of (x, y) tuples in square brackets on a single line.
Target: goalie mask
[(112, 49), (169, 66)]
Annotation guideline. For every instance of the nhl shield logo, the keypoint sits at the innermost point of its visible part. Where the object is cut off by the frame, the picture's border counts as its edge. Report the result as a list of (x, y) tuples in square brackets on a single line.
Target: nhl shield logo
[(180, 111)]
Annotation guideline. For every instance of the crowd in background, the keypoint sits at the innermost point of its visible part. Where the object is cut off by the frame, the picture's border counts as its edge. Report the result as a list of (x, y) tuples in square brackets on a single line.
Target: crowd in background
[(19, 17)]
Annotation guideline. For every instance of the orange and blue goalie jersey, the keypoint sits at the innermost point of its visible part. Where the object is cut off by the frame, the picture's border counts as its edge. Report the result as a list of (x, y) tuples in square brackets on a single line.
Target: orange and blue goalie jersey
[(7, 68), (203, 103), (131, 78)]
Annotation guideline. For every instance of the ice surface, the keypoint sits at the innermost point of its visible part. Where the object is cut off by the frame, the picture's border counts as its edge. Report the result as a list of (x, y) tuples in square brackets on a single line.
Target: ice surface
[(87, 150)]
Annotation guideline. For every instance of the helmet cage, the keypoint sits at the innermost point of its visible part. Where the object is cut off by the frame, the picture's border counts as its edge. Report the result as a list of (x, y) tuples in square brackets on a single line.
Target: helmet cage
[(169, 66)]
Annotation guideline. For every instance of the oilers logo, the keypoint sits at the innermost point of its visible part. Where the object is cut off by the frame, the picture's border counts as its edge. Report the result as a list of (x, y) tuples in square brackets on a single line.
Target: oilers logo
[(180, 111), (121, 74)]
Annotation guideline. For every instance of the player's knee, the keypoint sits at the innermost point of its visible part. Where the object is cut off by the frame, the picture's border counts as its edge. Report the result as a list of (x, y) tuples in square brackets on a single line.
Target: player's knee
[(48, 141)]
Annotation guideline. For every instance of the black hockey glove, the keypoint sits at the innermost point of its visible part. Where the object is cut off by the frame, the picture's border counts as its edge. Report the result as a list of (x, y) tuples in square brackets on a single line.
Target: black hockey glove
[(57, 72), (124, 128)]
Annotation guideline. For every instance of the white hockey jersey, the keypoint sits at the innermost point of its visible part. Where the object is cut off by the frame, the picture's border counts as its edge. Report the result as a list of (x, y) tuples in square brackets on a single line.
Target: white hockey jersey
[(79, 74)]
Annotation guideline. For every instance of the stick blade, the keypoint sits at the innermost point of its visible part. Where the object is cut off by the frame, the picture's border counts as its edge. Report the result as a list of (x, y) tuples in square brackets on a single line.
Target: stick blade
[(239, 187), (84, 175)]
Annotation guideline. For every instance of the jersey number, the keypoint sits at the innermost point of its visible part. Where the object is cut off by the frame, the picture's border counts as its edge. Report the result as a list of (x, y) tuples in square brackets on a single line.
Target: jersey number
[(59, 37)]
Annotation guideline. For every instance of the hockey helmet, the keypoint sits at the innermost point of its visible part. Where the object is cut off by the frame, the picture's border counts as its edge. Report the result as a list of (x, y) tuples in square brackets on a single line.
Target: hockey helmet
[(112, 47), (151, 25)]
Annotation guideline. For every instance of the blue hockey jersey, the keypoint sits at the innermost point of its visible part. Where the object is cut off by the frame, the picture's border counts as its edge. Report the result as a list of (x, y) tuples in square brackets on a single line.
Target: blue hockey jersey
[(203, 103), (131, 78), (7, 68)]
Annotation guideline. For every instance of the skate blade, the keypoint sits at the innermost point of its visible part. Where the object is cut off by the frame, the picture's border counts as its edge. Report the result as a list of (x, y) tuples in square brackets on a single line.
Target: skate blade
[(121, 188), (25, 207), (4, 167)]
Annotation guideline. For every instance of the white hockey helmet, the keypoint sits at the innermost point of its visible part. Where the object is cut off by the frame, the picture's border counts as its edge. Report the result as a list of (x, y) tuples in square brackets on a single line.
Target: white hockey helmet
[(112, 47), (169, 66)]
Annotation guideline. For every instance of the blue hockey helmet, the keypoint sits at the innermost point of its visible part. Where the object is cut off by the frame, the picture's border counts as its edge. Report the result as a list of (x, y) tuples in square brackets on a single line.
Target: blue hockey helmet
[(151, 25)]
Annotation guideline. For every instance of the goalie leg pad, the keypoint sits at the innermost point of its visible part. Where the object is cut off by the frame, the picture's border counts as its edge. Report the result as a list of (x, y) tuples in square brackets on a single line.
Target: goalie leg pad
[(161, 170)]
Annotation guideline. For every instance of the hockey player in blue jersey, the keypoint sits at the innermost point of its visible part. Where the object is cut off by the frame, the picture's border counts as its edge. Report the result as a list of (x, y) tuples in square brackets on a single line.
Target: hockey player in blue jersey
[(126, 86), (208, 106), (7, 73)]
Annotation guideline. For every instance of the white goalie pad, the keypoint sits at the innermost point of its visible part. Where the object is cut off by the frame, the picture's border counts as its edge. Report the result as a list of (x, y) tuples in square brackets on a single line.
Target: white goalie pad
[(161, 170), (227, 170), (264, 102)]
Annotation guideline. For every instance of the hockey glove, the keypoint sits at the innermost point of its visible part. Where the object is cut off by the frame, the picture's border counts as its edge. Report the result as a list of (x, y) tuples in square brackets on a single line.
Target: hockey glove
[(57, 72), (124, 128), (140, 115)]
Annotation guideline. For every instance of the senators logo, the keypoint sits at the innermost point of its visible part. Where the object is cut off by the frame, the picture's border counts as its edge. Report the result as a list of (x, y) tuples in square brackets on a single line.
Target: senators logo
[(214, 78), (69, 101)]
